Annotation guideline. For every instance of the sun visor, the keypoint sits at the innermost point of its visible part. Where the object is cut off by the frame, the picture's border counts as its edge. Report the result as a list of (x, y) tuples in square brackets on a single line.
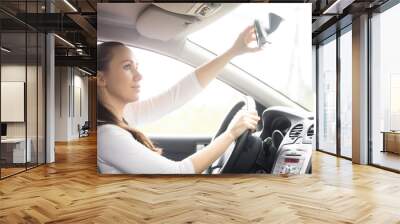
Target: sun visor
[(156, 23)]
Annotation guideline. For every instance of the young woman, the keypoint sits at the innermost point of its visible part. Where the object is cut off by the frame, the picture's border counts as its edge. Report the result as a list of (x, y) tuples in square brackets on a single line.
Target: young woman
[(121, 148)]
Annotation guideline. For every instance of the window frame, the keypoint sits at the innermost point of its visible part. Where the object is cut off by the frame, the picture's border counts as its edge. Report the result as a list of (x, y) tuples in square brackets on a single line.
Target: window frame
[(333, 37), (323, 37), (379, 10)]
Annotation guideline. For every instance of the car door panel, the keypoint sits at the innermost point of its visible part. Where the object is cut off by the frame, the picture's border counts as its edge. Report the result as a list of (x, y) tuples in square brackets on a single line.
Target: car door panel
[(178, 148)]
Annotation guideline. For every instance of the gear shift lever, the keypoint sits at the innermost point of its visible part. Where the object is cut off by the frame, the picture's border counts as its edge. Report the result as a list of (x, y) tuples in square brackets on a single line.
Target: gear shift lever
[(277, 138)]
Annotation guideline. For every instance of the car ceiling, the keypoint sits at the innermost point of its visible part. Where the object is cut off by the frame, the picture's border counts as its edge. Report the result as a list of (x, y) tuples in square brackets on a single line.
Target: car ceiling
[(121, 13), (126, 15)]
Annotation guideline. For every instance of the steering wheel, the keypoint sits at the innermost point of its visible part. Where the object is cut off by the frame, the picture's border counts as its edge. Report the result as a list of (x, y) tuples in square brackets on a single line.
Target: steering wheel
[(229, 162)]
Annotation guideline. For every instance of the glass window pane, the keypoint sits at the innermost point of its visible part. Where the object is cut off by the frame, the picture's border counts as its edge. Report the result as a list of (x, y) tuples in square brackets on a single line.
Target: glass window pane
[(327, 96), (346, 94), (285, 64), (31, 97), (31, 86), (22, 85), (385, 86), (13, 86), (41, 98)]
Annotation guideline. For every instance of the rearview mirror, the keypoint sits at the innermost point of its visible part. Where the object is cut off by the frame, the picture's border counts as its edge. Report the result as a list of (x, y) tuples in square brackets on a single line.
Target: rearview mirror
[(263, 30)]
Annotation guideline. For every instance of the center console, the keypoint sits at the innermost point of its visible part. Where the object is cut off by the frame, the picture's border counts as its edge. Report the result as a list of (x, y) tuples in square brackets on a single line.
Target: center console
[(293, 150), (293, 159)]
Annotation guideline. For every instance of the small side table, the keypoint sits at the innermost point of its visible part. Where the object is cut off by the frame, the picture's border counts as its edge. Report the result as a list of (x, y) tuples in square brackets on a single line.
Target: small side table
[(13, 150), (391, 141)]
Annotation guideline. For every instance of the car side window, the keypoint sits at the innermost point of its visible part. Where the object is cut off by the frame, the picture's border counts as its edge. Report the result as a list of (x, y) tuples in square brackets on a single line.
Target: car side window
[(201, 116)]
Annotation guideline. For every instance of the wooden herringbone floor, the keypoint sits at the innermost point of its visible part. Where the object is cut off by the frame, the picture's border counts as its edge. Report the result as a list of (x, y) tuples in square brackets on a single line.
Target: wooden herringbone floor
[(70, 191)]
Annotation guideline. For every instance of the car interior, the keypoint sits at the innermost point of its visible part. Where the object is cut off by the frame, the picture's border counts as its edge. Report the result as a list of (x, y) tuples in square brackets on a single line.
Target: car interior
[(282, 143)]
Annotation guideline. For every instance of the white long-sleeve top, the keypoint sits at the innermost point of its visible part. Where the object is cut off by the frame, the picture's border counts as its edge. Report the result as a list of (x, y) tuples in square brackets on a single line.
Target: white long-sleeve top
[(118, 152)]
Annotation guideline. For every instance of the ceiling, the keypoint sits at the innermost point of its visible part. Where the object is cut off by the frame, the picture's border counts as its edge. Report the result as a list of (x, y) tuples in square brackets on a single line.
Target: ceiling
[(80, 27), (77, 25)]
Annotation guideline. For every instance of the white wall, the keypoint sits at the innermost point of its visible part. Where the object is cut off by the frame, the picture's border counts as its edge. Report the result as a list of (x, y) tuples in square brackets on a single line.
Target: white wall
[(79, 117), (12, 73), (33, 126), (61, 103), (69, 85)]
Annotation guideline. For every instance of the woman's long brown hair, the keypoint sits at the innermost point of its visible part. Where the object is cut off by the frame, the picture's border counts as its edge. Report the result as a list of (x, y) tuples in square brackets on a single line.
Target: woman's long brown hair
[(104, 115)]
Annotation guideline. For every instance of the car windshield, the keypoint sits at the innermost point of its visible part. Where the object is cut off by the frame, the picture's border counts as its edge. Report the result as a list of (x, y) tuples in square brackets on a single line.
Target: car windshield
[(285, 64)]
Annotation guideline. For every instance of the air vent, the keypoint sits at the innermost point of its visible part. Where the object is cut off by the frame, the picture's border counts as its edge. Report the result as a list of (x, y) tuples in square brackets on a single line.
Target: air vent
[(310, 131), (296, 131)]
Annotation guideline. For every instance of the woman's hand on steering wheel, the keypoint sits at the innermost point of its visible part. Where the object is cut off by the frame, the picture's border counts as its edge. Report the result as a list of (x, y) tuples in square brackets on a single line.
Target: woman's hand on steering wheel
[(243, 121)]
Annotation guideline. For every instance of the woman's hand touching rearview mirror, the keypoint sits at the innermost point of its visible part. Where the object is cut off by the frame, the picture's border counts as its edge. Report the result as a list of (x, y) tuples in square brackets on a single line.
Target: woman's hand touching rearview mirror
[(243, 42)]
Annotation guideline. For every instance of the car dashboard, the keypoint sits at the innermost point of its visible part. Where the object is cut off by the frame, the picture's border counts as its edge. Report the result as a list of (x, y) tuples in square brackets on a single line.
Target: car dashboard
[(292, 133)]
